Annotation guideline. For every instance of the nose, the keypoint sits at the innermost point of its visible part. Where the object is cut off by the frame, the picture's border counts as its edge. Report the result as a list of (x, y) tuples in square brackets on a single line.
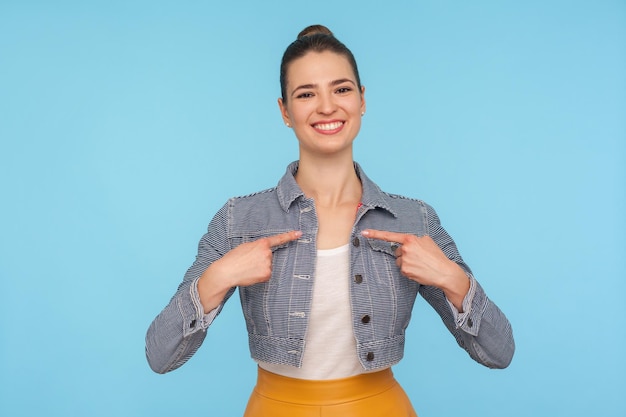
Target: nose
[(326, 104)]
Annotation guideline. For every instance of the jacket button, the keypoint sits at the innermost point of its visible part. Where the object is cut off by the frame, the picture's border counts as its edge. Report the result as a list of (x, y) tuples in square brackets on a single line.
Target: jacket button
[(470, 323), (369, 357), (356, 242), (365, 319), (358, 278), (192, 324)]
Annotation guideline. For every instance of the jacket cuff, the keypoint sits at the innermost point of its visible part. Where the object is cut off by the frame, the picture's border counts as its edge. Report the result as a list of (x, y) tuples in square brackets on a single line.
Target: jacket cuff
[(191, 308), (474, 305)]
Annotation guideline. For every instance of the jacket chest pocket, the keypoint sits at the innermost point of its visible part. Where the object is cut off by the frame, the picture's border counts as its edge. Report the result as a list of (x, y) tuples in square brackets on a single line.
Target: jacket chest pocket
[(388, 284), (383, 259), (258, 300)]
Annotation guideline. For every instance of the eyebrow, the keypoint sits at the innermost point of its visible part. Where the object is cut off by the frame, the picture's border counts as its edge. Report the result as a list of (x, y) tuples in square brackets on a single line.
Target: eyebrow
[(313, 86)]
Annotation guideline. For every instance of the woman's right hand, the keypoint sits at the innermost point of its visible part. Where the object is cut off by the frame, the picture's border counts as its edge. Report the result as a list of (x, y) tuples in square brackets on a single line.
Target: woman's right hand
[(247, 264)]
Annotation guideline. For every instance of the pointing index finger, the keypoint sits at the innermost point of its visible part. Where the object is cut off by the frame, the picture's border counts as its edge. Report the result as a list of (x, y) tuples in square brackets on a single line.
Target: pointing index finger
[(384, 235), (277, 240)]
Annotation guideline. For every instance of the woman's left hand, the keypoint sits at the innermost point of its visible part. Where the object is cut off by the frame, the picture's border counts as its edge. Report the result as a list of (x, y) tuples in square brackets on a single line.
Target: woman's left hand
[(420, 259)]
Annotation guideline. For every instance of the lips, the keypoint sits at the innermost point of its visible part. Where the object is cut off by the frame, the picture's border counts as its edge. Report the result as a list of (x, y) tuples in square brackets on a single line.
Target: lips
[(329, 127)]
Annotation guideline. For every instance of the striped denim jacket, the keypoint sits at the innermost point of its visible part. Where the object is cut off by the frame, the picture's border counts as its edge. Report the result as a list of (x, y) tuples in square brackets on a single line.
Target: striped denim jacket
[(276, 312)]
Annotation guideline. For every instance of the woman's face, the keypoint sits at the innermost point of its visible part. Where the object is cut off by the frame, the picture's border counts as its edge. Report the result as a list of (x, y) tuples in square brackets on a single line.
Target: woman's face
[(323, 103)]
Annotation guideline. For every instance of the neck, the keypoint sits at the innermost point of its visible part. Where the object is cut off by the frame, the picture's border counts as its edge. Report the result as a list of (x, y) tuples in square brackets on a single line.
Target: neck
[(330, 182)]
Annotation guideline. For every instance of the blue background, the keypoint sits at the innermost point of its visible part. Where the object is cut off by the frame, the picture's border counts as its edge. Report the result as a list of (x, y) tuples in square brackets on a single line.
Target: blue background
[(125, 125)]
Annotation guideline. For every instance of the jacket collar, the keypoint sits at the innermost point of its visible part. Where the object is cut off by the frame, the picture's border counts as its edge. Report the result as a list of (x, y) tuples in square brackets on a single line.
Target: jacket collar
[(373, 197)]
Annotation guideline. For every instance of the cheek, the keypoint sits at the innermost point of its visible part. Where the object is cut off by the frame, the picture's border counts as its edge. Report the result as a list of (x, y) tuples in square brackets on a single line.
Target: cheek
[(355, 107), (356, 112), (300, 113)]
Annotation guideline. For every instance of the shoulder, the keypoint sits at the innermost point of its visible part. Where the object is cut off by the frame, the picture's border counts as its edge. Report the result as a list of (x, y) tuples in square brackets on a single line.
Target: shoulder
[(245, 203), (401, 202), (255, 196), (409, 210), (253, 202), (402, 199)]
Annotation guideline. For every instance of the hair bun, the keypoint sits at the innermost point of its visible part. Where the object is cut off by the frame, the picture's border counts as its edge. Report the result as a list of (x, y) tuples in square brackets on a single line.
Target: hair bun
[(314, 30)]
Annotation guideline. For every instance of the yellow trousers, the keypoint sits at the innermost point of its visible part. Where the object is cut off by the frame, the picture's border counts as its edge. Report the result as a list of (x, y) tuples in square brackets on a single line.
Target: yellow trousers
[(375, 394)]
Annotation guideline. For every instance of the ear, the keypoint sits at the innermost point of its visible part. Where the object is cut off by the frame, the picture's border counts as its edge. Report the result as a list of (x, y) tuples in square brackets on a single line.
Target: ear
[(283, 112), (363, 106)]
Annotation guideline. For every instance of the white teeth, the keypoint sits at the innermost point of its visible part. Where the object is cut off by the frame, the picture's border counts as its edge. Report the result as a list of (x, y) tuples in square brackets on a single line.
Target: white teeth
[(328, 126)]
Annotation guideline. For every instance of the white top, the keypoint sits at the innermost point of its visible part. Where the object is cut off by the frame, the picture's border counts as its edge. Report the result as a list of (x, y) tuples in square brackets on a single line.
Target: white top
[(330, 345)]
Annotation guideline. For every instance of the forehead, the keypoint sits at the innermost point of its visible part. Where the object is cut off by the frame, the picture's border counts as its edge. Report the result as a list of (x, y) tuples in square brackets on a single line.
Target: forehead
[(318, 68)]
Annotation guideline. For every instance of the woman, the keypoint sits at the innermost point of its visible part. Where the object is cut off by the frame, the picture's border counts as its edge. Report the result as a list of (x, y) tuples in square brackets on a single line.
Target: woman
[(328, 266)]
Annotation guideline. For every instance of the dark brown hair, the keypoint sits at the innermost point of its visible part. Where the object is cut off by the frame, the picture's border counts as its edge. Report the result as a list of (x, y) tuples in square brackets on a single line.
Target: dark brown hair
[(314, 38)]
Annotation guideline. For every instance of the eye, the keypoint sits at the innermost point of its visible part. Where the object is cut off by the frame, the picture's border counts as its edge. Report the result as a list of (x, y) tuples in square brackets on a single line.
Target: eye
[(343, 90), (307, 94)]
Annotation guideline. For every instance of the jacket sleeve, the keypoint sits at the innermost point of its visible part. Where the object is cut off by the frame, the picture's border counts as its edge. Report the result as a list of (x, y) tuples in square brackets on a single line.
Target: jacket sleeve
[(481, 329), (179, 330)]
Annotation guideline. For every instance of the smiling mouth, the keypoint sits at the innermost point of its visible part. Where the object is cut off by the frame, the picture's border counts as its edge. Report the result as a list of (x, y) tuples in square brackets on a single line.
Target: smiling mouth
[(328, 127)]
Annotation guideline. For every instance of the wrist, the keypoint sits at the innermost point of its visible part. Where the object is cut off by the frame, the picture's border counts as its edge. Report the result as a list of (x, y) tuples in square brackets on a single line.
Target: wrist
[(212, 288), (456, 287)]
